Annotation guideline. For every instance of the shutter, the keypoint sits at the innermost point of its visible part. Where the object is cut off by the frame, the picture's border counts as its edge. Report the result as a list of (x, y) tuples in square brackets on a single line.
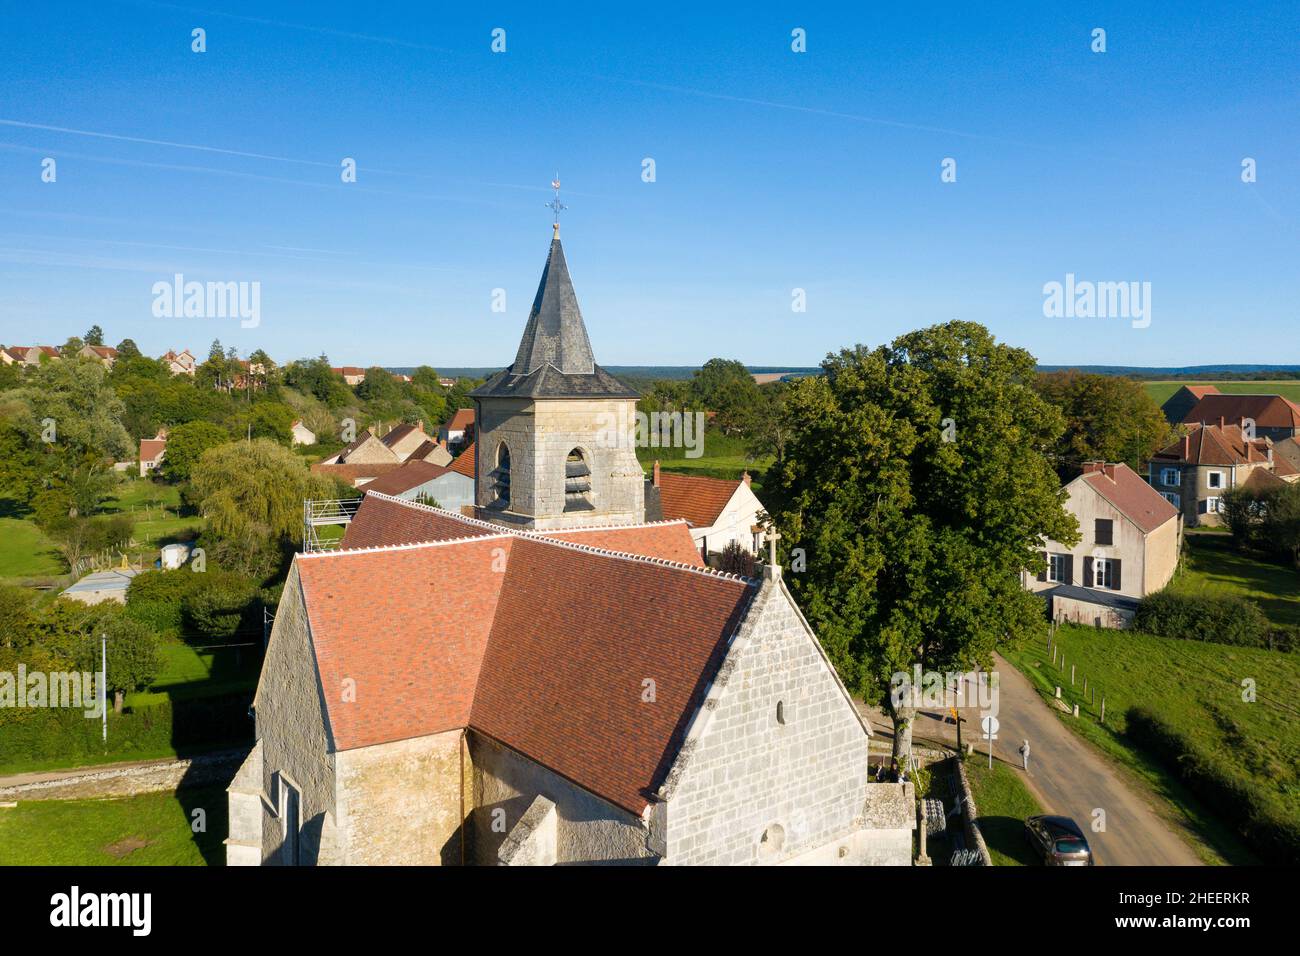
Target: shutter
[(1114, 574), (1087, 572), (1069, 569), (1042, 575)]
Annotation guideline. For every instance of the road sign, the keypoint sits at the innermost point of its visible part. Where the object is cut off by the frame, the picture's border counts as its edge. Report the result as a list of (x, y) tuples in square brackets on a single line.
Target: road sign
[(990, 727)]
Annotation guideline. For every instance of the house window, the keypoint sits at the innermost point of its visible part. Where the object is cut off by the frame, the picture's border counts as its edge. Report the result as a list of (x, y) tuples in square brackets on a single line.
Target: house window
[(1212, 505), (1104, 531), (501, 478), (1214, 479), (577, 482), (1173, 499), (1103, 573), (289, 817), (1169, 477), (1056, 568)]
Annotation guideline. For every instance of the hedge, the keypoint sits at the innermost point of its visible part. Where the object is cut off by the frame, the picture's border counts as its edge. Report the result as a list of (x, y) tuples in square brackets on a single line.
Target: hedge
[(67, 735), (1217, 620), (1256, 813)]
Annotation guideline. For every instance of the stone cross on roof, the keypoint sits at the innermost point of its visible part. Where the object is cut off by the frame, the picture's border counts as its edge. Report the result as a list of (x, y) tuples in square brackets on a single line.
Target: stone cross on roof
[(555, 205), (773, 569)]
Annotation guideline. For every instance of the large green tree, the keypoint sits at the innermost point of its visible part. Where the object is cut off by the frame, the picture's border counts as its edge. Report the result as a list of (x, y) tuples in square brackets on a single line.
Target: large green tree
[(917, 488), (186, 445), (1107, 417)]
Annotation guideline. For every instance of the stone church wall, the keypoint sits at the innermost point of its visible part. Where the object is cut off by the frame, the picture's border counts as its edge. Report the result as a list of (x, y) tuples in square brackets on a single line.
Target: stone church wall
[(403, 803), (778, 765), (588, 829)]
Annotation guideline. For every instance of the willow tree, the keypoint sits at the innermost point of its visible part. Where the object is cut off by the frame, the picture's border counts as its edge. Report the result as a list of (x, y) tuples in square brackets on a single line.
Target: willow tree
[(918, 487), (250, 495)]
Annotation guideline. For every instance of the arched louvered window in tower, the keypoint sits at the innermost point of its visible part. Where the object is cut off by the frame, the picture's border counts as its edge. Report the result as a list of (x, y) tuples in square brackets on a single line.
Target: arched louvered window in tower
[(501, 478), (577, 482)]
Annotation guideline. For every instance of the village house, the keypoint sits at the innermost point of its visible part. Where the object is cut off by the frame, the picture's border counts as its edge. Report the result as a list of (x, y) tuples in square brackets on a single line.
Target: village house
[(459, 429), (1264, 416), (434, 452), (718, 511), (1194, 472), (565, 683), (31, 354), (352, 374), (179, 363), (1131, 538), (450, 486), (104, 354), (152, 452), (404, 439), (302, 435), (361, 461), (1177, 405)]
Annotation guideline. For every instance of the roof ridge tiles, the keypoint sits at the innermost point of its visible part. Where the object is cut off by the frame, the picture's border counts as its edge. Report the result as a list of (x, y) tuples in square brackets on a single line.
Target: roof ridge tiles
[(542, 536)]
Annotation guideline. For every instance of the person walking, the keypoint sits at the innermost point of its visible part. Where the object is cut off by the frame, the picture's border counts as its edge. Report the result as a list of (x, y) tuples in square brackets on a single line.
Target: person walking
[(1024, 755)]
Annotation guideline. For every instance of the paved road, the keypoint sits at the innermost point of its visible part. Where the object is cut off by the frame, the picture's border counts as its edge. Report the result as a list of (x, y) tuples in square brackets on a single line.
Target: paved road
[(1066, 775)]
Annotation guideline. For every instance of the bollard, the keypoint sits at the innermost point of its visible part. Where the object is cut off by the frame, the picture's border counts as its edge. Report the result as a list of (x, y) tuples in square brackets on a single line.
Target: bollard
[(1058, 691), (1076, 710), (1071, 675), (1103, 708)]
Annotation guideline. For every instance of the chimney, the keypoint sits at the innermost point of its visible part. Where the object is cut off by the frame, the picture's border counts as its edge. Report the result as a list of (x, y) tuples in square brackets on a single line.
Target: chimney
[(1090, 466), (1222, 422), (1187, 447), (419, 426), (1109, 471), (745, 478), (655, 480)]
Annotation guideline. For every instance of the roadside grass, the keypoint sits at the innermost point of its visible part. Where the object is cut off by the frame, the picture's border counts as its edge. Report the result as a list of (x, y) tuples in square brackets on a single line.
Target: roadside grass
[(1003, 803), (150, 829), (1287, 388), (25, 551), (1195, 686), (1213, 568)]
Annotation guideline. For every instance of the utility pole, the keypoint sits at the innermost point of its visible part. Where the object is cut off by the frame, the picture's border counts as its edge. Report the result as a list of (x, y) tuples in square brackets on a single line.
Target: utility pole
[(103, 686)]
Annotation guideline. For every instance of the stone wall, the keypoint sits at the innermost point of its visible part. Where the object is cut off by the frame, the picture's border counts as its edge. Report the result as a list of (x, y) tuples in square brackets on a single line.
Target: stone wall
[(206, 770), (540, 436), (290, 710), (776, 764), (403, 803), (970, 814), (588, 829)]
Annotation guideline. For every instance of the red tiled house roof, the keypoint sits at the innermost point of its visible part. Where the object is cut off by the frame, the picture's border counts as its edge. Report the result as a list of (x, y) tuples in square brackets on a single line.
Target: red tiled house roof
[(696, 498), (384, 520), (463, 463), (1215, 445), (411, 474), (1131, 496), (1267, 411), (462, 419), (151, 448), (548, 658)]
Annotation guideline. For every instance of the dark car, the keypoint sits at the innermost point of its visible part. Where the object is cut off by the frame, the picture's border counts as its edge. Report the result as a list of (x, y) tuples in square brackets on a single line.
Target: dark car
[(1058, 841)]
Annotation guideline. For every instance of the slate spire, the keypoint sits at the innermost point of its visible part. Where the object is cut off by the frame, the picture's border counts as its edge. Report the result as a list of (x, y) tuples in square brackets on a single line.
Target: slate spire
[(555, 334)]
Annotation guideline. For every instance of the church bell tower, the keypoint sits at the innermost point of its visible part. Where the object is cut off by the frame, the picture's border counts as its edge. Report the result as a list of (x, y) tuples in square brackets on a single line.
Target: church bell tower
[(555, 433)]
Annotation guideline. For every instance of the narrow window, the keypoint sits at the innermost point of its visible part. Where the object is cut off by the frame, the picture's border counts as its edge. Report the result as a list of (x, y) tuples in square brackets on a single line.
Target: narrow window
[(289, 813), (577, 482), (780, 712), (1104, 531), (501, 478)]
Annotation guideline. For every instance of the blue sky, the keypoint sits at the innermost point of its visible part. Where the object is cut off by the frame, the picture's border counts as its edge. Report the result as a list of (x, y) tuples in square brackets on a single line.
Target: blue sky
[(774, 171)]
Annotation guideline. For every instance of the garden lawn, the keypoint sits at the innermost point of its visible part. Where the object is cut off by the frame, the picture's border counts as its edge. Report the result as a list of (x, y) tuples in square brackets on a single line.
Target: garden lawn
[(1214, 568), (1196, 687), (151, 829), (25, 551), (1003, 802), (156, 508)]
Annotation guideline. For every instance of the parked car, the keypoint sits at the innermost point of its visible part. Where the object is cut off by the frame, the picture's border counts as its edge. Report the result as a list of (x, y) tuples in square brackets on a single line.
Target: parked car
[(1059, 841)]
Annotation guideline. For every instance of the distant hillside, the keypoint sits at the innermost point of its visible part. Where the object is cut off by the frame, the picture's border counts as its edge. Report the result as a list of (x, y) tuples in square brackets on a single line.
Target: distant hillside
[(631, 371), (1191, 372)]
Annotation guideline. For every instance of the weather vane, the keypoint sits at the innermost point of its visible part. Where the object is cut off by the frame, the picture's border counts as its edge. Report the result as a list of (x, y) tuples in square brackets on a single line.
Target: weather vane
[(555, 205)]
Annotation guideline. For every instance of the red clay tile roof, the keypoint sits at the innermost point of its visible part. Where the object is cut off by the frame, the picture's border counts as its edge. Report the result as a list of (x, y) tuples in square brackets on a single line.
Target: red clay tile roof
[(151, 448), (353, 472), (694, 497), (398, 433), (385, 520), (1132, 496), (549, 657), (1200, 391), (463, 463), (424, 451), (1261, 479), (1286, 456), (415, 675), (462, 419), (413, 473), (1268, 411), (1212, 445), (576, 636)]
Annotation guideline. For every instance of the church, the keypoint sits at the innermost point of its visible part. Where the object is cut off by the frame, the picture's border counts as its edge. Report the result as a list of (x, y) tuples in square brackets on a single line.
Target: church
[(553, 675)]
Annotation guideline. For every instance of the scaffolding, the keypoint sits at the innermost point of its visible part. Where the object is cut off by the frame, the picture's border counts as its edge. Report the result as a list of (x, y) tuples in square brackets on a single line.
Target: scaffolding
[(325, 513)]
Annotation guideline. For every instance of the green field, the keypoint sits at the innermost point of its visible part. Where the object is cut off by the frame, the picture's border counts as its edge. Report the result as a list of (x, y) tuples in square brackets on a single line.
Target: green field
[(1212, 567), (156, 508), (1003, 802), (1287, 388), (1198, 688), (25, 552), (151, 829)]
